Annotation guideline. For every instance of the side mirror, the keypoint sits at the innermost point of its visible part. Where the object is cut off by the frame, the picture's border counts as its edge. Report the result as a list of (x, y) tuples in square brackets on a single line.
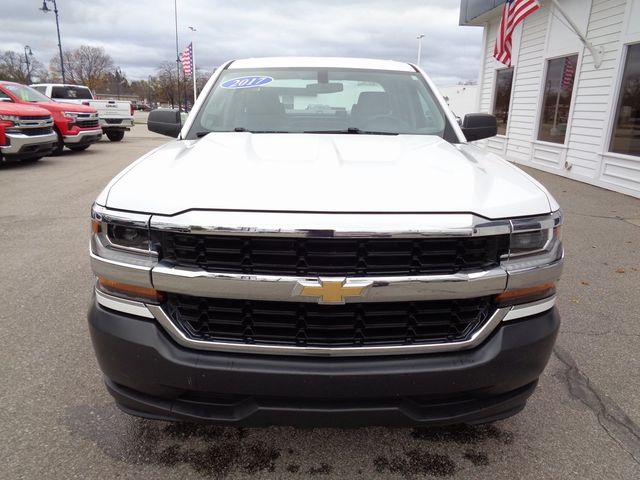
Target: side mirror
[(165, 122), (477, 126)]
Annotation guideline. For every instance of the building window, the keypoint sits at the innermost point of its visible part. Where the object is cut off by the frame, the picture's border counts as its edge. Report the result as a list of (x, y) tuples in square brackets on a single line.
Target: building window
[(626, 130), (504, 80), (556, 102)]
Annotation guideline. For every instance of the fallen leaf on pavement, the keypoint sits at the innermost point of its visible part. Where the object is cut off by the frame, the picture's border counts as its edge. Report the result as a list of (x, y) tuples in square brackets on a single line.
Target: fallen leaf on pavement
[(584, 282), (620, 270)]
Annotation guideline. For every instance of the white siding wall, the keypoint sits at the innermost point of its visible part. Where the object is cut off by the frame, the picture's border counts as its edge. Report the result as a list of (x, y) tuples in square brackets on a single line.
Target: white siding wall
[(584, 156)]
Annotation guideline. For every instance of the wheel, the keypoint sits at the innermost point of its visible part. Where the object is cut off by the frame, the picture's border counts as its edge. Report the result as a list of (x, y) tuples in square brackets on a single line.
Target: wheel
[(77, 148), (59, 147), (115, 135)]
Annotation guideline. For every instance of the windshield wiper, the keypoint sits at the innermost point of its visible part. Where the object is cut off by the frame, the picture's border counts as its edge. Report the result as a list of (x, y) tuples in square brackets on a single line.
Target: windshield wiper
[(351, 131), (239, 129)]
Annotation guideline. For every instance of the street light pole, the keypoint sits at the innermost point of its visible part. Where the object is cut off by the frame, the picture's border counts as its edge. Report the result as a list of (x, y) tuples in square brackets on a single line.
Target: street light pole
[(45, 9), (419, 38), (27, 52)]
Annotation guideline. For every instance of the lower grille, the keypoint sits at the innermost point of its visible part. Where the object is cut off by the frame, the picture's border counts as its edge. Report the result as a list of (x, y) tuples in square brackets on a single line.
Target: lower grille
[(313, 325), (88, 123), (113, 121), (36, 131)]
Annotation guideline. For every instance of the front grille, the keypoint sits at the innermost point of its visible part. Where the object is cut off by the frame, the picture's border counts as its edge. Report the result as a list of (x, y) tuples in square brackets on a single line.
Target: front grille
[(332, 256), (88, 123), (36, 131), (37, 117), (313, 325), (113, 121)]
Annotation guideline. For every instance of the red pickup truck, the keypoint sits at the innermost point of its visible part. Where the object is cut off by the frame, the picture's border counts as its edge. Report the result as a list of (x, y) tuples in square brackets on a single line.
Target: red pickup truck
[(26, 132), (76, 126)]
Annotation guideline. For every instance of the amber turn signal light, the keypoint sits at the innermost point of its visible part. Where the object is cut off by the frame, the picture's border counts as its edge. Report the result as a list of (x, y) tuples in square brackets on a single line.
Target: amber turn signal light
[(129, 291), (524, 295), (96, 227)]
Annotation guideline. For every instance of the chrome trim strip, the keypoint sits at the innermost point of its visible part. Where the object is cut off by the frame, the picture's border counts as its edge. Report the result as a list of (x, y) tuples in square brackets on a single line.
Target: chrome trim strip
[(177, 334), (123, 272), (292, 224), (201, 283), (528, 309), (100, 213), (534, 275), (123, 305)]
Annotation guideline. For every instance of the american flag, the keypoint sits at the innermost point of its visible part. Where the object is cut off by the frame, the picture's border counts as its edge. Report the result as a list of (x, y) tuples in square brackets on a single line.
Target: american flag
[(569, 72), (513, 13), (187, 60)]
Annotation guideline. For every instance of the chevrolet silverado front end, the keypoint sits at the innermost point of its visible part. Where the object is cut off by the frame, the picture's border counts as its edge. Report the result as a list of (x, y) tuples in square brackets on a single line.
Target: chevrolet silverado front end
[(322, 246)]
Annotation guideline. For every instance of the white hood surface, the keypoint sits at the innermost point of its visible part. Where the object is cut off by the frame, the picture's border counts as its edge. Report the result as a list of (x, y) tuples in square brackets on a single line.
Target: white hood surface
[(325, 173)]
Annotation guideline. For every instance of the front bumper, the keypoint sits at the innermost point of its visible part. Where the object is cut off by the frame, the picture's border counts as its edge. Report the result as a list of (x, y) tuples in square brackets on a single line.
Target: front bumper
[(83, 137), (151, 376), (116, 123), (25, 146)]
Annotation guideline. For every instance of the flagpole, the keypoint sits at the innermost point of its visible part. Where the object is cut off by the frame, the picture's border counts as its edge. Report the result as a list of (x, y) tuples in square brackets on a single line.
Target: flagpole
[(193, 71)]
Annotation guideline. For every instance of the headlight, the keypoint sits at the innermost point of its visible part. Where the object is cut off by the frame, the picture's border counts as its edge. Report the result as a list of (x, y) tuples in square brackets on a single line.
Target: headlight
[(70, 116), (535, 241), (122, 255), (130, 232), (10, 118)]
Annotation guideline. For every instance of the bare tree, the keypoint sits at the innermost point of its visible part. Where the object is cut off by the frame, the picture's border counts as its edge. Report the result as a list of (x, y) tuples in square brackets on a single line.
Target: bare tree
[(167, 83), (85, 65), (13, 67)]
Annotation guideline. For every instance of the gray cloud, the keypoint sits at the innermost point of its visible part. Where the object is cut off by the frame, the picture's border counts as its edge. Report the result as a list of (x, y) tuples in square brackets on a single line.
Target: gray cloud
[(139, 34)]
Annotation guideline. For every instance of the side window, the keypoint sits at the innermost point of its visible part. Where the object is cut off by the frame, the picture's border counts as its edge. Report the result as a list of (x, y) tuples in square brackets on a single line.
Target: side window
[(59, 92), (558, 88), (4, 97), (40, 89), (504, 82), (626, 131)]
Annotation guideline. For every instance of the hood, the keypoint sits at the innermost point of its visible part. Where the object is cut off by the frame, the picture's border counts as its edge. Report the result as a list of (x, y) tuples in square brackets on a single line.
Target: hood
[(54, 106), (325, 173), (10, 108)]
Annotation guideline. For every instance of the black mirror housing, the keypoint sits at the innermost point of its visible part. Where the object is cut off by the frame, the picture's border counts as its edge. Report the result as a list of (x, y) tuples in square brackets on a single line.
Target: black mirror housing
[(477, 126), (165, 122)]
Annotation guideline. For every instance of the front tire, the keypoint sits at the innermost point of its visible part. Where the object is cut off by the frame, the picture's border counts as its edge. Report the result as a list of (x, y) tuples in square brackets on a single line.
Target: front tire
[(77, 148), (59, 147), (115, 135)]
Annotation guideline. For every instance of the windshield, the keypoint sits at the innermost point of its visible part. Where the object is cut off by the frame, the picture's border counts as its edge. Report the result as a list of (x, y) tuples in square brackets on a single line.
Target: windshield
[(26, 94), (320, 101)]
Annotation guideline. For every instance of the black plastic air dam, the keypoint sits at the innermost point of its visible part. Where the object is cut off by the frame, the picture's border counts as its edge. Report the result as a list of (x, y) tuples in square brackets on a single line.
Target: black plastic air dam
[(151, 376)]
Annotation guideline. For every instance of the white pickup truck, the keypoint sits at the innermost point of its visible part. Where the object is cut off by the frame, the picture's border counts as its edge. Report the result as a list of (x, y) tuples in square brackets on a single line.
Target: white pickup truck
[(116, 116), (323, 244)]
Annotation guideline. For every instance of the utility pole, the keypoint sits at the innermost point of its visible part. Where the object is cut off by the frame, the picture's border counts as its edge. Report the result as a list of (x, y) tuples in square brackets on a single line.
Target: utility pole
[(419, 38), (175, 14), (45, 9), (193, 65)]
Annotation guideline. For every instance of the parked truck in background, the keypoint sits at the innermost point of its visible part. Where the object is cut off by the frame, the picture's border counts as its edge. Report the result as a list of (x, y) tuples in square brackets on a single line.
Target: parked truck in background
[(76, 126), (116, 116), (26, 132)]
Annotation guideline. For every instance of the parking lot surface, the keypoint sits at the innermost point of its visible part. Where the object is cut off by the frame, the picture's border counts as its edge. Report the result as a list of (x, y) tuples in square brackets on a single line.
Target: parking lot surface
[(58, 422)]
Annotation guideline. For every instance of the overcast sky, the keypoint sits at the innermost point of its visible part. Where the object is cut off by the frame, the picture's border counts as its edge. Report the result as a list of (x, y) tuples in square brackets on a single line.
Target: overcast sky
[(140, 34)]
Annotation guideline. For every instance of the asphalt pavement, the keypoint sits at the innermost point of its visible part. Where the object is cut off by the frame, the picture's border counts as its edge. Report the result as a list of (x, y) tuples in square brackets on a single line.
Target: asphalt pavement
[(58, 422)]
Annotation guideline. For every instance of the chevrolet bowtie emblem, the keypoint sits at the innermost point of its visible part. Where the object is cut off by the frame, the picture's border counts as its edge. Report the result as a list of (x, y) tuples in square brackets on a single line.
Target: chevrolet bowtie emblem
[(332, 291)]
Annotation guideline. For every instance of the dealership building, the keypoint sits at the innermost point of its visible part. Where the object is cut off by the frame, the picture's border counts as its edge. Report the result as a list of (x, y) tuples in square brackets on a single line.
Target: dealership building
[(570, 103)]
